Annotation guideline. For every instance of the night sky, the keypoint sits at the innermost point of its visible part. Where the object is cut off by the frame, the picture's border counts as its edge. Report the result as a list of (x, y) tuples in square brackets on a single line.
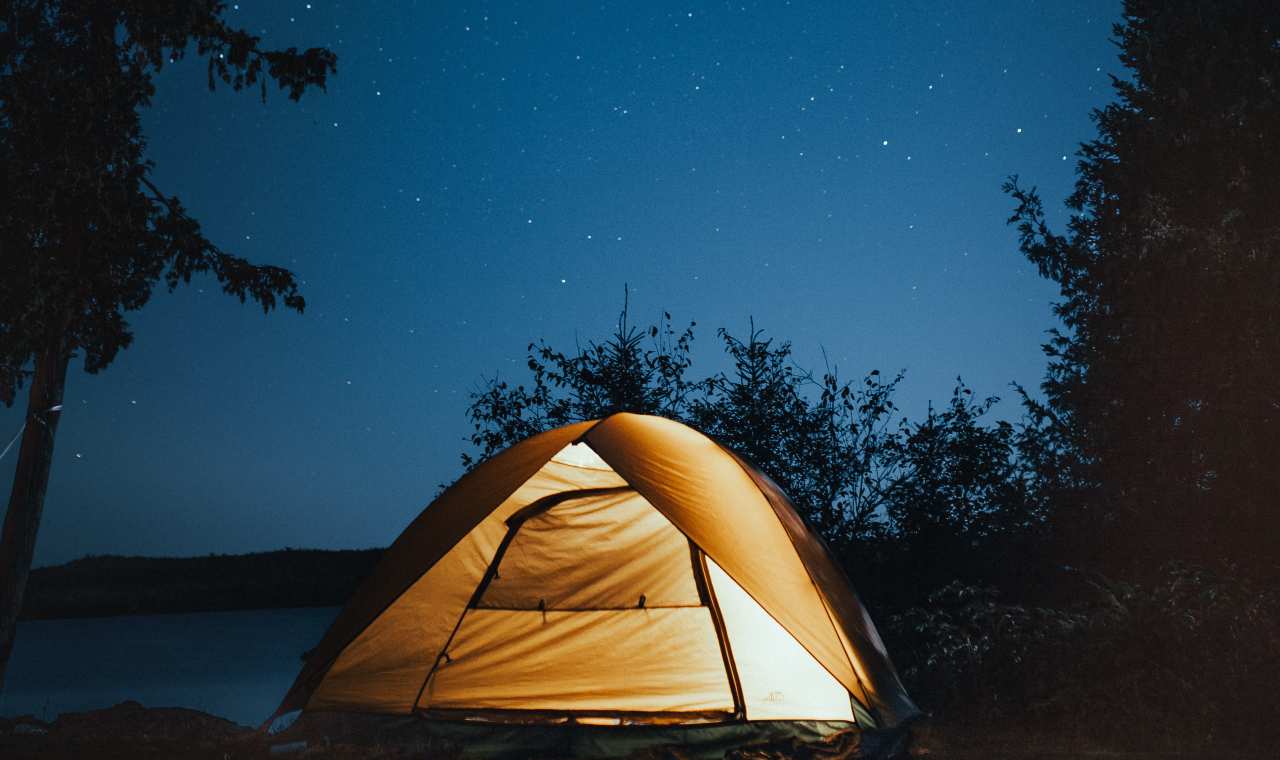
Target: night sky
[(483, 174)]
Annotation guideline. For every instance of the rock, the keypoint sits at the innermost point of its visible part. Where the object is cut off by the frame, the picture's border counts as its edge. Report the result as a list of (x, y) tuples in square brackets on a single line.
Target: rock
[(131, 721), (23, 725)]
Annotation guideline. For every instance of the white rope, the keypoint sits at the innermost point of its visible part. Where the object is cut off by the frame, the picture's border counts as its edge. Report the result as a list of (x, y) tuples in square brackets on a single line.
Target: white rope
[(54, 408), (15, 440)]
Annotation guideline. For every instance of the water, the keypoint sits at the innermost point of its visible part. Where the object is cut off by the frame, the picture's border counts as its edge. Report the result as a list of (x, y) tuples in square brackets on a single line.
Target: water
[(233, 664)]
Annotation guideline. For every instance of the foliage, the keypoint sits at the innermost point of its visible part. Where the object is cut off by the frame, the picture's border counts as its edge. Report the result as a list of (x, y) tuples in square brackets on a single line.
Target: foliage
[(1188, 659), (1162, 379), (966, 650), (959, 477), (947, 492), (964, 502), (84, 233), (822, 439), (633, 370)]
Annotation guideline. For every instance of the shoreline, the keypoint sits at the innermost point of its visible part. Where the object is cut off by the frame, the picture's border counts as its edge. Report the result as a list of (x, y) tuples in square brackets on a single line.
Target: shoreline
[(174, 612), (117, 586)]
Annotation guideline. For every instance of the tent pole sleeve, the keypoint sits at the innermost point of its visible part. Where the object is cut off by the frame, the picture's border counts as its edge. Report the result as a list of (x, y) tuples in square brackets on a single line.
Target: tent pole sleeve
[(547, 502), (707, 595)]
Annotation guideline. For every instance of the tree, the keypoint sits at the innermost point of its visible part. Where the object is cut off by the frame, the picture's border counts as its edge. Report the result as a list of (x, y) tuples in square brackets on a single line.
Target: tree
[(827, 453), (84, 233), (1163, 379), (963, 499), (913, 505), (621, 374), (822, 439)]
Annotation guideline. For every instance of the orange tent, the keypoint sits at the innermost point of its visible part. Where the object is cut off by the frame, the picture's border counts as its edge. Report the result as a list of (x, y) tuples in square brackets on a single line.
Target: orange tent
[(622, 571)]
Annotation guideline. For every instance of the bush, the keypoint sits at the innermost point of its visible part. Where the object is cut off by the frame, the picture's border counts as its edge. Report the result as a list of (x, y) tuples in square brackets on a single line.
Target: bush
[(963, 650), (1187, 660)]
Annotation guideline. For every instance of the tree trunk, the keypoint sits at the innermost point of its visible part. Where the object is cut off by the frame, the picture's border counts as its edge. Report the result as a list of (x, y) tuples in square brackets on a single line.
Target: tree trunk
[(30, 480)]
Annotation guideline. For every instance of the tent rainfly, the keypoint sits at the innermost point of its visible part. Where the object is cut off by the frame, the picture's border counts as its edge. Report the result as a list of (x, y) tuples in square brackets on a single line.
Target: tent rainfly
[(616, 572)]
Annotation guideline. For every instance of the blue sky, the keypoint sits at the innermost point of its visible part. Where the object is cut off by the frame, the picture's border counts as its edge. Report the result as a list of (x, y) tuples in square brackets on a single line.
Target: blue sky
[(480, 175)]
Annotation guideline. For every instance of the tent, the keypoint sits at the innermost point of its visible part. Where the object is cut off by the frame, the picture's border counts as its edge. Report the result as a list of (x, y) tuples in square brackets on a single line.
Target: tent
[(628, 571)]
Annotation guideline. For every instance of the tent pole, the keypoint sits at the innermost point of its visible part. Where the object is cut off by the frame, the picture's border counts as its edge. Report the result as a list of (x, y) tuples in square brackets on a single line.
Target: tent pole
[(491, 571), (707, 595)]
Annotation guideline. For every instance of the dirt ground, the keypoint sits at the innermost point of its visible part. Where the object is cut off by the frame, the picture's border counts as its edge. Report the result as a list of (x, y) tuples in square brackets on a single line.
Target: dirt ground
[(131, 731)]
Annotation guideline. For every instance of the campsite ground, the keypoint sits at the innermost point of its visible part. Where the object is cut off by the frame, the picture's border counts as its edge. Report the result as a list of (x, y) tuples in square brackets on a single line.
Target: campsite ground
[(132, 731)]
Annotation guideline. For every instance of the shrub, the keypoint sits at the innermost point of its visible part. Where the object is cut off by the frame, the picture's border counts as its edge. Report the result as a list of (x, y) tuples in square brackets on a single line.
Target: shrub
[(1187, 659)]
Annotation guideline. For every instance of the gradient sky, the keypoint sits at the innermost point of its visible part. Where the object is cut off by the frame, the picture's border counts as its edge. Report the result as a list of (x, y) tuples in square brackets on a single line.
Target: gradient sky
[(483, 174)]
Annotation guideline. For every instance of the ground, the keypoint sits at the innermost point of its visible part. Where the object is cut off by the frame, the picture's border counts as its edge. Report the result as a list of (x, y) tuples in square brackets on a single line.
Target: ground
[(132, 731)]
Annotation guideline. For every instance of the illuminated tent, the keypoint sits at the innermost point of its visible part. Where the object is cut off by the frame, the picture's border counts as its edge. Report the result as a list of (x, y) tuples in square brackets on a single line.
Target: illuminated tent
[(624, 571)]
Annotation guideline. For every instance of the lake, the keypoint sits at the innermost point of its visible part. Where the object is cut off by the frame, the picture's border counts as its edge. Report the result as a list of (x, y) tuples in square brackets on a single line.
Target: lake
[(233, 664)]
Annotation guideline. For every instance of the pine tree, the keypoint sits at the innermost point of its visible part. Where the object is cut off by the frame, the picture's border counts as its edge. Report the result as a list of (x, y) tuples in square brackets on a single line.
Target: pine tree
[(1163, 382)]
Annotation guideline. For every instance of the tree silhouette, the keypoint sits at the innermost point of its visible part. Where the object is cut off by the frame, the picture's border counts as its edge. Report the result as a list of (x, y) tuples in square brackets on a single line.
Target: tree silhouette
[(632, 371), (828, 443), (1162, 382), (84, 233), (963, 496), (823, 440), (914, 505)]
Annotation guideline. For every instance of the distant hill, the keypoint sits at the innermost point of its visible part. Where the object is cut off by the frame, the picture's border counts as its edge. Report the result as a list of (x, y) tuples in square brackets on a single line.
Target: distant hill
[(111, 585)]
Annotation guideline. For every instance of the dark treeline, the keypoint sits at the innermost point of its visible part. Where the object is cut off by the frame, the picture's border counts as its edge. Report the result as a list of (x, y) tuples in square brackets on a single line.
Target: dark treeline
[(917, 500), (112, 585), (1106, 566)]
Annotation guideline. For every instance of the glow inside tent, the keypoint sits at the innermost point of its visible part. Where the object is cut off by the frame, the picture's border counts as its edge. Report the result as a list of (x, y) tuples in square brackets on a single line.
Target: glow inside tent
[(623, 571)]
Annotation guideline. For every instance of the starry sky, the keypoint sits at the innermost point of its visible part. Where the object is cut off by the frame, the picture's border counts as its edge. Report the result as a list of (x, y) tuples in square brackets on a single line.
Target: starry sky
[(481, 174)]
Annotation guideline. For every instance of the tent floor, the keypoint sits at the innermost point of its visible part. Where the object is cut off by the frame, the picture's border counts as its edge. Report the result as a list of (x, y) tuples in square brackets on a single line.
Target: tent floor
[(468, 739)]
